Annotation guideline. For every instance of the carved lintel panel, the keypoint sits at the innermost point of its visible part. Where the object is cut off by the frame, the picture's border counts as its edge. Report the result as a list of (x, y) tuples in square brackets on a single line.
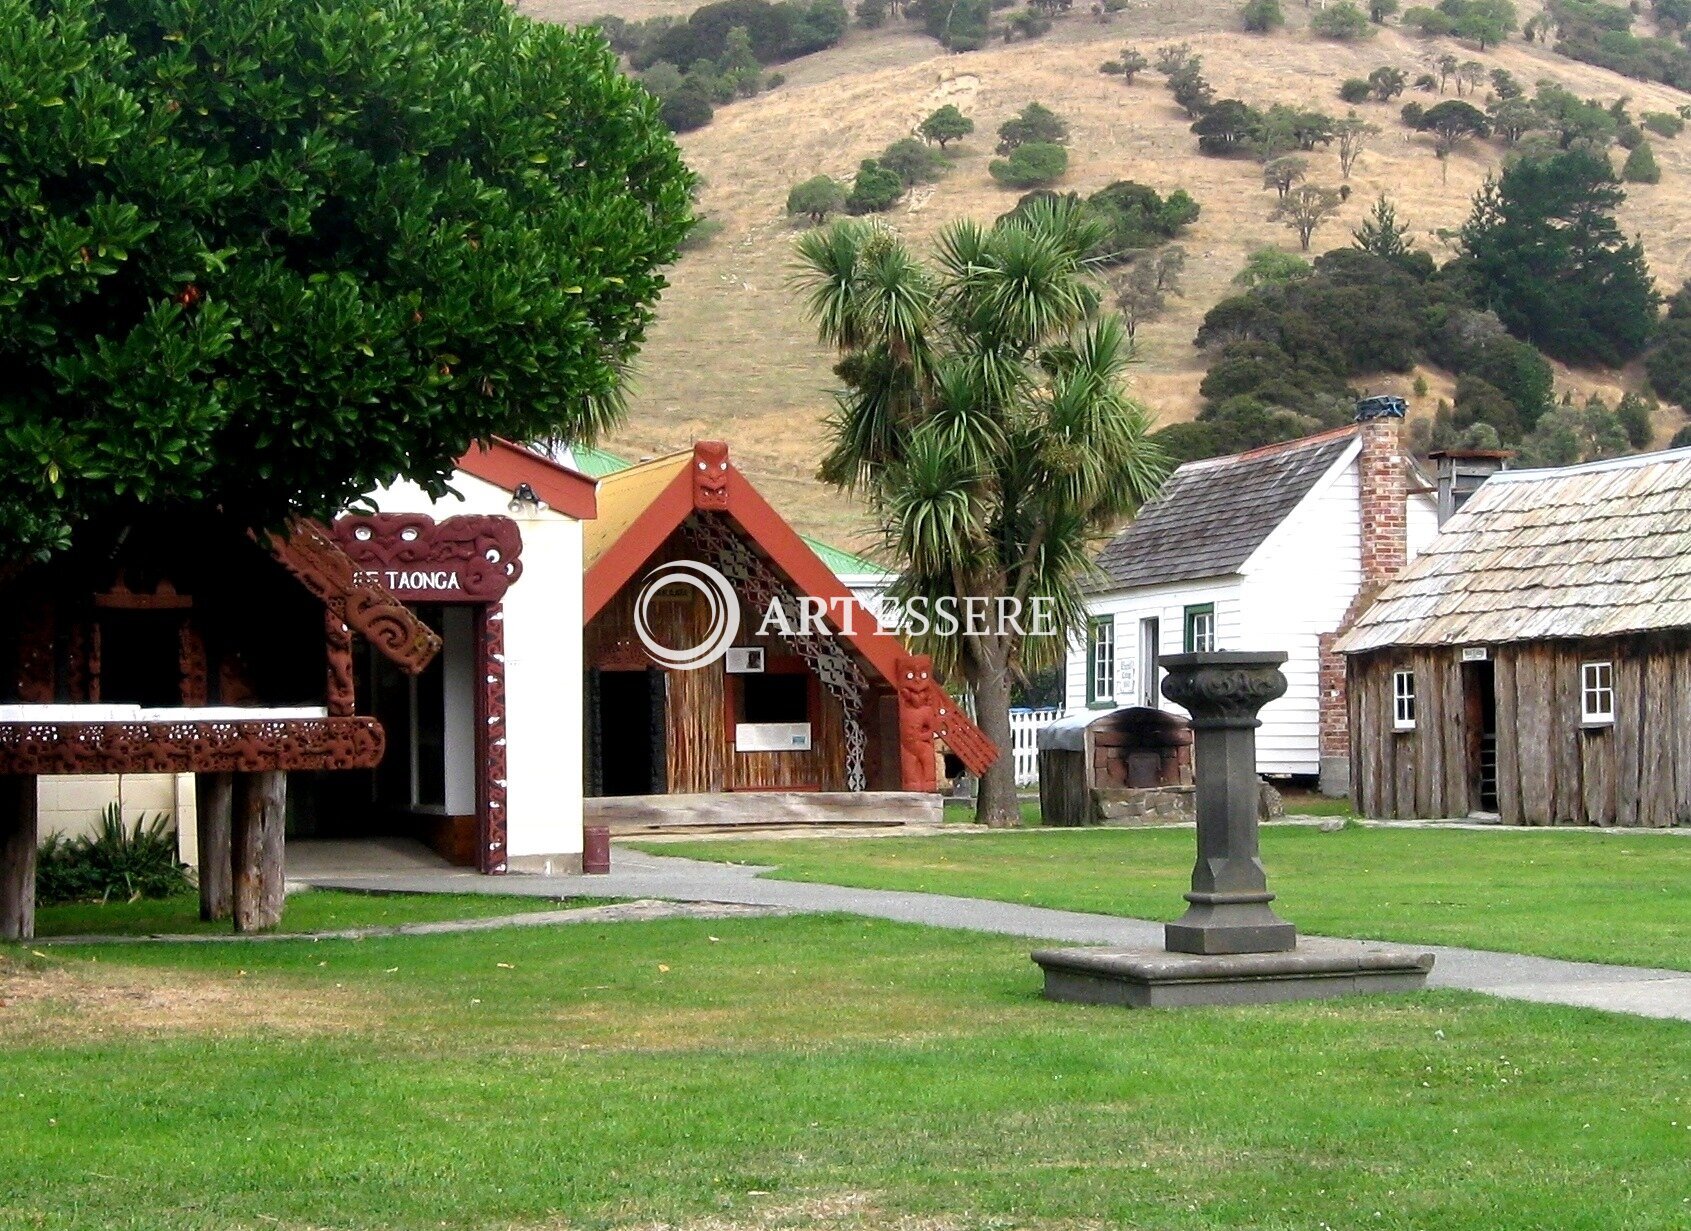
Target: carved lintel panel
[(312, 556), (469, 558), (247, 746)]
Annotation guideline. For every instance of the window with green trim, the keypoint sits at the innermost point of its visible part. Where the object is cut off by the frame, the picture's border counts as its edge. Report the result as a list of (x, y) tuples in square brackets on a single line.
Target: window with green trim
[(1101, 661), (1200, 628)]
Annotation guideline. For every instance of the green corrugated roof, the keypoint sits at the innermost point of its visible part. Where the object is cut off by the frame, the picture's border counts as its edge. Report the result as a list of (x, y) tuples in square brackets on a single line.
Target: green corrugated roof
[(597, 463), (843, 563)]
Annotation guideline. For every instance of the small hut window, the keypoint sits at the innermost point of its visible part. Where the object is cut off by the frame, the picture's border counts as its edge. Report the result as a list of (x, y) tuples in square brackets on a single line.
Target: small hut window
[(1101, 662), (1403, 700), (1200, 629), (1597, 693)]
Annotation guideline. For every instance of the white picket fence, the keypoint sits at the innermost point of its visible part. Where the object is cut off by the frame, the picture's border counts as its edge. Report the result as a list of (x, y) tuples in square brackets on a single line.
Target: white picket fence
[(1024, 738)]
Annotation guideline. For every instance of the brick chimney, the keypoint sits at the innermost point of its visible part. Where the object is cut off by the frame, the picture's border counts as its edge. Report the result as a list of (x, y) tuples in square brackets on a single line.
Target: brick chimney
[(1385, 489), (1383, 481)]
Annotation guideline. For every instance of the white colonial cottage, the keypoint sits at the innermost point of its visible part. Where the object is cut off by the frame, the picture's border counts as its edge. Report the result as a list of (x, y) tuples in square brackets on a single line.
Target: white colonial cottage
[(1273, 549)]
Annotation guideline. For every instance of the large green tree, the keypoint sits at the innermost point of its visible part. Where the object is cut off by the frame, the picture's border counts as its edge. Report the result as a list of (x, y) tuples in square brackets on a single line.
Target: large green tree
[(264, 255), (984, 419), (1542, 250)]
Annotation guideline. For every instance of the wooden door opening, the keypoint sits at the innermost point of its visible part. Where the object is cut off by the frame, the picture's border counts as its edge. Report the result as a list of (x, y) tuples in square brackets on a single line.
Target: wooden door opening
[(1479, 703), (627, 733), (1150, 647)]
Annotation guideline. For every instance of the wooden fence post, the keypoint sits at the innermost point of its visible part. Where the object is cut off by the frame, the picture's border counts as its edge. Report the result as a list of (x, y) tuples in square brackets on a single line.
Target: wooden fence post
[(17, 856), (259, 825), (214, 802)]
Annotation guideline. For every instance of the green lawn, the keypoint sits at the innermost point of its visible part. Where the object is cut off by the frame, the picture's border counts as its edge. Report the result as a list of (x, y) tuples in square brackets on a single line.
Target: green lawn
[(781, 1072), (1617, 896), (316, 910)]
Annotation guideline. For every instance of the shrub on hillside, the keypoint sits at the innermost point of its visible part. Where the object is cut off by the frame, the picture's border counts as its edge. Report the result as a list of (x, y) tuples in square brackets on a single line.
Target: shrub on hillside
[(777, 31), (913, 161), (1663, 123), (959, 25), (1641, 166), (1034, 123), (1262, 16), (1037, 164), (945, 125), (686, 109), (875, 190), (1356, 90), (871, 14), (112, 862), (1342, 21), (816, 198)]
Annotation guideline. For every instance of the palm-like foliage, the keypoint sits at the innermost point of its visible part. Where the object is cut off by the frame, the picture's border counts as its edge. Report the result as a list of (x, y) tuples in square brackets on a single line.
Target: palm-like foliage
[(984, 419)]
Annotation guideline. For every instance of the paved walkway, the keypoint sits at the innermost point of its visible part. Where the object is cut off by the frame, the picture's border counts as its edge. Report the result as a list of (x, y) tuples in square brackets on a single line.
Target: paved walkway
[(636, 874)]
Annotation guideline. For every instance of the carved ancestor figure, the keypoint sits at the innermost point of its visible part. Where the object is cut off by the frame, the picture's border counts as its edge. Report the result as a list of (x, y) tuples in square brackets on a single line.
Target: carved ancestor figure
[(710, 475), (917, 722)]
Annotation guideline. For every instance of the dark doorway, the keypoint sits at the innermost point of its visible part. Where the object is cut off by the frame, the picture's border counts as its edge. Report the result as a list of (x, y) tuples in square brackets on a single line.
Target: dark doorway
[(1479, 725), (627, 733)]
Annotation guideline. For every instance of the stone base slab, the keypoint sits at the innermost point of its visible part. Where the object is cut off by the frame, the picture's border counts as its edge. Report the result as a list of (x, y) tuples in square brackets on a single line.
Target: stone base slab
[(1157, 978)]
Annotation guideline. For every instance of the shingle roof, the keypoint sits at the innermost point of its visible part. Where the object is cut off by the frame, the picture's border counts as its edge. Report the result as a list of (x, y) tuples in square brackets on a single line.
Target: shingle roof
[(1211, 515), (1587, 551)]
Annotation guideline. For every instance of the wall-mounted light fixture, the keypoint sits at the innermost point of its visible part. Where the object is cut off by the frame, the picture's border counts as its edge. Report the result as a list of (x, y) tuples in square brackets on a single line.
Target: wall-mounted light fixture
[(524, 503)]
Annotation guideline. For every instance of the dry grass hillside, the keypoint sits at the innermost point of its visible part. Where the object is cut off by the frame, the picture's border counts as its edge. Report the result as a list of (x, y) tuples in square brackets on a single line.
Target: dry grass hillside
[(732, 356)]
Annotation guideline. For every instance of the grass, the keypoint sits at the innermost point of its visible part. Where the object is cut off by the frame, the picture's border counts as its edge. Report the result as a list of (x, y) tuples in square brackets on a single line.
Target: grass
[(962, 812), (316, 910), (1616, 896), (825, 1071)]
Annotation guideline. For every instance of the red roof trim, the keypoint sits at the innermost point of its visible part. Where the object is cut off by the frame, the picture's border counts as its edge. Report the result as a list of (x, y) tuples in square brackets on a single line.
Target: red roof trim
[(645, 534), (507, 465)]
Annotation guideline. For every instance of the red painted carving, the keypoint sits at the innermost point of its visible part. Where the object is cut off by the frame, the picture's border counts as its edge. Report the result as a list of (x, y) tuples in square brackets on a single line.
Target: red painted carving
[(710, 476), (917, 722), (473, 558), (338, 637), (95, 650), (246, 746), (494, 829), (191, 658), (311, 555), (926, 712)]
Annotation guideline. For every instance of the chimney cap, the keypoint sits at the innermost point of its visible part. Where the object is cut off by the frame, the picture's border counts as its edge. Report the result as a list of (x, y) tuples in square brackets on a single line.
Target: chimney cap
[(1489, 455), (1381, 407)]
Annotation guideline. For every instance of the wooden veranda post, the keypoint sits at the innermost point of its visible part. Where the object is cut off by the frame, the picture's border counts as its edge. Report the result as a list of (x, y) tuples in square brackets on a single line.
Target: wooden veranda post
[(214, 805), (17, 856), (259, 824)]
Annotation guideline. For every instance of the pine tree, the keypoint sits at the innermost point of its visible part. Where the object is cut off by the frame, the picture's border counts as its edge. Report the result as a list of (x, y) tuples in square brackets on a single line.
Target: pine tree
[(1382, 234), (1542, 250), (1641, 166)]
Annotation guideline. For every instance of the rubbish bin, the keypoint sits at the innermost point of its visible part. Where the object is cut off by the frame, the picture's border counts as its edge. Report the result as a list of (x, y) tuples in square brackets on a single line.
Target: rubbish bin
[(596, 850)]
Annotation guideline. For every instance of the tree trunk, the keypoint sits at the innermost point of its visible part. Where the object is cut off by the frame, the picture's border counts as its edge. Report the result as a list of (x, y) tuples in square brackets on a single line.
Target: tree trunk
[(214, 801), (259, 826), (996, 804), (17, 857)]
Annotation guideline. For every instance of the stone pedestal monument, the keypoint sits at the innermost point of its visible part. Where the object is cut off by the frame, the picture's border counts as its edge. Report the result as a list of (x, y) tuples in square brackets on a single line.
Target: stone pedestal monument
[(1229, 947)]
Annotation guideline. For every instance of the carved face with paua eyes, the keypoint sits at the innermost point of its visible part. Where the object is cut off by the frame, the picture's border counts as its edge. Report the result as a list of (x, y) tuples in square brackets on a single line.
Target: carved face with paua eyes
[(710, 475), (914, 680)]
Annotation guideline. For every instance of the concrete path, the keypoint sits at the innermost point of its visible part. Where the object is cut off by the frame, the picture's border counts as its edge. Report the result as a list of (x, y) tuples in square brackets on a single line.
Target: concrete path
[(636, 874)]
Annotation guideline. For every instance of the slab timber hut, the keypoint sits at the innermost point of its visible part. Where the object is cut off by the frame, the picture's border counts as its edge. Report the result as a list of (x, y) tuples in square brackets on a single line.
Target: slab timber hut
[(182, 644), (1535, 660), (839, 712)]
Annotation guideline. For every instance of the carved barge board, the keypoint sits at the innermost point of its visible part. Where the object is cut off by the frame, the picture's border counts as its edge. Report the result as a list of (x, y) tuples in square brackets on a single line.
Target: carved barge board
[(205, 747)]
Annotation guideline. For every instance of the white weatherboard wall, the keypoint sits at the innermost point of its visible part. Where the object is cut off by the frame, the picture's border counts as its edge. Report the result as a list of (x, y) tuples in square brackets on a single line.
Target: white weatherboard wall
[(1168, 605), (1298, 584), (543, 665)]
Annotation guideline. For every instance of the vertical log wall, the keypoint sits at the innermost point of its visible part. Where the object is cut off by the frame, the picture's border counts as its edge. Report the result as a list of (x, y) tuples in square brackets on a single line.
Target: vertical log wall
[(1552, 769)]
